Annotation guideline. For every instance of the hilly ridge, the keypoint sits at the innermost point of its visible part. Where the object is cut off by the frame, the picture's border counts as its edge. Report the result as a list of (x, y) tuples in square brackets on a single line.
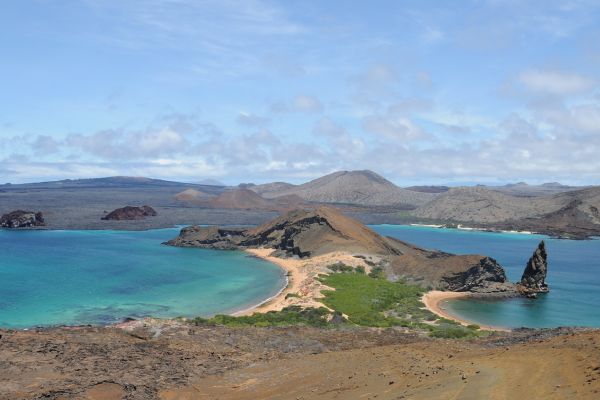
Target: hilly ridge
[(364, 188)]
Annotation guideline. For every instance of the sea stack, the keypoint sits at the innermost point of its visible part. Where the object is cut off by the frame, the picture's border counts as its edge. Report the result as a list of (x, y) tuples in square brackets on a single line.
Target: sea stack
[(22, 219), (534, 277)]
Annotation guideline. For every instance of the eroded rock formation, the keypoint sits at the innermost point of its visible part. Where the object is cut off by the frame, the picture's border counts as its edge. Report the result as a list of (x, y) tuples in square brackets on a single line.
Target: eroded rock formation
[(22, 219), (534, 276), (302, 233), (130, 213), (485, 276)]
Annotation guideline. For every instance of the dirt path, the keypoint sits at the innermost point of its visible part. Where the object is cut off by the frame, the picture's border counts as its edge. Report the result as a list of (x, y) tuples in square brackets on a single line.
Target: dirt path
[(447, 370)]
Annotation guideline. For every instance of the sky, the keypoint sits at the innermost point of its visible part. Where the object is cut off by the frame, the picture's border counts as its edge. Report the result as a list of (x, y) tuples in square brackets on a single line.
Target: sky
[(422, 92)]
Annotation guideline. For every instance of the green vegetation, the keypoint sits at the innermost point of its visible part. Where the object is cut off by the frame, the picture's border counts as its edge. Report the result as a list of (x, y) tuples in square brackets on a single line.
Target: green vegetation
[(372, 301), (367, 300), (293, 315), (377, 272), (340, 267)]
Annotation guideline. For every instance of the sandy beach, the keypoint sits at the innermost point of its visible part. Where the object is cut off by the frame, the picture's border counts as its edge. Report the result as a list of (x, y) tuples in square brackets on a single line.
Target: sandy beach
[(305, 290), (434, 301), (303, 287)]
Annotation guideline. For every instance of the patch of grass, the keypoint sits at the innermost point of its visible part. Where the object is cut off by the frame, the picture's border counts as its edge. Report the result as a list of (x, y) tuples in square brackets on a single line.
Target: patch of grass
[(366, 300), (289, 295), (292, 315)]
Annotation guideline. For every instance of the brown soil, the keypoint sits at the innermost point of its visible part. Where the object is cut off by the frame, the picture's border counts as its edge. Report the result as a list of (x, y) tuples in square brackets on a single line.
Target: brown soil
[(172, 360)]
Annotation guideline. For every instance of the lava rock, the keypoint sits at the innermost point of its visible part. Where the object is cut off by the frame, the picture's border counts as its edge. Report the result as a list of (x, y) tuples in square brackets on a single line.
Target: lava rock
[(22, 219), (487, 275), (130, 213), (534, 276)]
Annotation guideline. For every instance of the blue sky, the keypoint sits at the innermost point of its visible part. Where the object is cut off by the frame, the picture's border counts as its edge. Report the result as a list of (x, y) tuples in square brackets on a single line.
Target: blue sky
[(419, 91)]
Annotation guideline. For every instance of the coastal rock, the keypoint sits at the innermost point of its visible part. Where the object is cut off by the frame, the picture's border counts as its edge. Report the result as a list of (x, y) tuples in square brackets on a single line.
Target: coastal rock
[(307, 233), (485, 276), (22, 219), (130, 213), (534, 276), (302, 233), (208, 237)]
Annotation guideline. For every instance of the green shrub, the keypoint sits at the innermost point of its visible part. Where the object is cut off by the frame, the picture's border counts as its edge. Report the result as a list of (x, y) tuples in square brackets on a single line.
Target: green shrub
[(377, 272), (340, 267), (364, 300), (292, 315), (360, 269)]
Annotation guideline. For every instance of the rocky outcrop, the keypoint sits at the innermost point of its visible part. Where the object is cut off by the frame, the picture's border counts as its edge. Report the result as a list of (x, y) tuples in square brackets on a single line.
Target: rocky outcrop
[(130, 213), (534, 277), (22, 219), (302, 233), (484, 277), (212, 237)]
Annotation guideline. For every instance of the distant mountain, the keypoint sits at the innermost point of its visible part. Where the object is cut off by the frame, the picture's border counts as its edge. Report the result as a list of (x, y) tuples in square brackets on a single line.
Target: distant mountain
[(111, 181), (364, 188), (428, 189), (240, 199), (192, 195), (480, 204), (210, 182), (524, 189), (575, 212), (267, 188)]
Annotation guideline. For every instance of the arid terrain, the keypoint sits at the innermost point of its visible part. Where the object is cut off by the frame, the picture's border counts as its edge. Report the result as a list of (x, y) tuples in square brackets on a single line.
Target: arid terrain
[(174, 360), (552, 208)]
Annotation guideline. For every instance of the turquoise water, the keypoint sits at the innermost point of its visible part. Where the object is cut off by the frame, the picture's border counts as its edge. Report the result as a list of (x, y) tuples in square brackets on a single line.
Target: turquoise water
[(100, 277), (573, 275)]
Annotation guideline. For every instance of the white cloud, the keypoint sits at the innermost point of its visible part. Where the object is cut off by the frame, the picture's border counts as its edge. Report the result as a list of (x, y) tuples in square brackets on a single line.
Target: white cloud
[(554, 82)]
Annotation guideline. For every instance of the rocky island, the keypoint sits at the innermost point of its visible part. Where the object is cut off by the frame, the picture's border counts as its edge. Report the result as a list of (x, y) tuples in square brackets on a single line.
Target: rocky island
[(130, 213), (22, 219), (325, 235)]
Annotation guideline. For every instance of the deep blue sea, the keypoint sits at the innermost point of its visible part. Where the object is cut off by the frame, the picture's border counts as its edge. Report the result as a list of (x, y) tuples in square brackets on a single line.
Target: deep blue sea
[(573, 275), (100, 277)]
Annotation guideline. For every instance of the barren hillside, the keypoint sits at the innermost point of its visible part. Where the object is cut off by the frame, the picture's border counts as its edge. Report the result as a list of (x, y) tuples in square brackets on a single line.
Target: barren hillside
[(364, 188)]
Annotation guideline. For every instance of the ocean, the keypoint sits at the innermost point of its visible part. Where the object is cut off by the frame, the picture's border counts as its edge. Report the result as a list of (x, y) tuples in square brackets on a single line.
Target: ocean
[(100, 277), (573, 275)]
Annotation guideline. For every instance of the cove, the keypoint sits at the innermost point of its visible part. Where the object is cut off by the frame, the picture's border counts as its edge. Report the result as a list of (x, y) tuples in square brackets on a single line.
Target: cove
[(573, 275), (52, 278)]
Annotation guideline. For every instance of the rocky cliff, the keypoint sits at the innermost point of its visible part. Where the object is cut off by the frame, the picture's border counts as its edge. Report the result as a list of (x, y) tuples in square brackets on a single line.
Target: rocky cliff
[(22, 219), (302, 233), (486, 276), (308, 233), (534, 277), (130, 213)]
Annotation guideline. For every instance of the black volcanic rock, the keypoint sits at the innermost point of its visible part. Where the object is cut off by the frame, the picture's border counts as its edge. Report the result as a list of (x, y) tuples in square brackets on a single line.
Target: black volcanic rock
[(22, 219), (130, 213), (485, 276), (534, 276)]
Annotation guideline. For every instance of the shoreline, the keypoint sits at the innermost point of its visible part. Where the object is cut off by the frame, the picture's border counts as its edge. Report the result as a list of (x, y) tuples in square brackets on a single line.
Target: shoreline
[(299, 281), (433, 299), (287, 272)]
